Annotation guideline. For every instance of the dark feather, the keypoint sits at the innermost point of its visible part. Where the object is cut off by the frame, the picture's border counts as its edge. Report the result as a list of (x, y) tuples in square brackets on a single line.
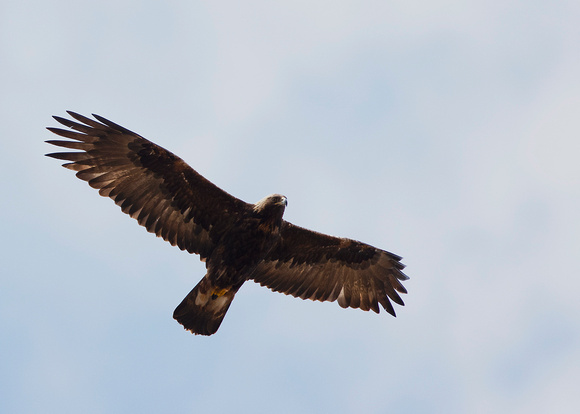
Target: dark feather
[(141, 176), (316, 266)]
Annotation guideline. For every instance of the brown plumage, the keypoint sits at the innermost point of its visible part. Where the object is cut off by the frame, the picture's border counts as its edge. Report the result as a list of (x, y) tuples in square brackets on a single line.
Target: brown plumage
[(238, 241)]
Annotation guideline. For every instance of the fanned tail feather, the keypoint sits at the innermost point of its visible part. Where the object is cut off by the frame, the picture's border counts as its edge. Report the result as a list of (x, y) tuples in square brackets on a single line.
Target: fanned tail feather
[(204, 308)]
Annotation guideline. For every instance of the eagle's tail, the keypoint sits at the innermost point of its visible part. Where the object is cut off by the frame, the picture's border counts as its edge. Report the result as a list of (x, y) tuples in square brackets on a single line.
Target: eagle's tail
[(204, 308)]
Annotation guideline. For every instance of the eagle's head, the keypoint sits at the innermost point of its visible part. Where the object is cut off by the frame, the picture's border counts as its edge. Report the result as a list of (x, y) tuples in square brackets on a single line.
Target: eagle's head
[(271, 206)]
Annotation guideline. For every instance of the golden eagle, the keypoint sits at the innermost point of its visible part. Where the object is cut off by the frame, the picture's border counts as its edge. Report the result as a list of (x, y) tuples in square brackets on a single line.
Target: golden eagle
[(236, 240)]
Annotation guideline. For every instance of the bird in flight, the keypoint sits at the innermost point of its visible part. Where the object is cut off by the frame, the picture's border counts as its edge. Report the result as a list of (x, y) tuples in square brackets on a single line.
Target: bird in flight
[(237, 241)]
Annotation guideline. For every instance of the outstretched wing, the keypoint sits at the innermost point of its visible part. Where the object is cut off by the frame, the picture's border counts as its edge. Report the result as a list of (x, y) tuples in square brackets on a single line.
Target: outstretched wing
[(311, 265), (152, 185)]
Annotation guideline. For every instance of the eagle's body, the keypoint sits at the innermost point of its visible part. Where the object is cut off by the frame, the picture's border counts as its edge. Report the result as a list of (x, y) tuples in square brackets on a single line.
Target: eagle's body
[(242, 247), (238, 241)]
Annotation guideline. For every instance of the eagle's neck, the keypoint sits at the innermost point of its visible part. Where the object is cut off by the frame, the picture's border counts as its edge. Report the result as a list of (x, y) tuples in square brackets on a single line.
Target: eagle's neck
[(271, 221)]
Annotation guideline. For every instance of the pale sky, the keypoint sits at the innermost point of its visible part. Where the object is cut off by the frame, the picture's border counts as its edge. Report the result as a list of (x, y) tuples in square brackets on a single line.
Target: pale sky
[(444, 131)]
